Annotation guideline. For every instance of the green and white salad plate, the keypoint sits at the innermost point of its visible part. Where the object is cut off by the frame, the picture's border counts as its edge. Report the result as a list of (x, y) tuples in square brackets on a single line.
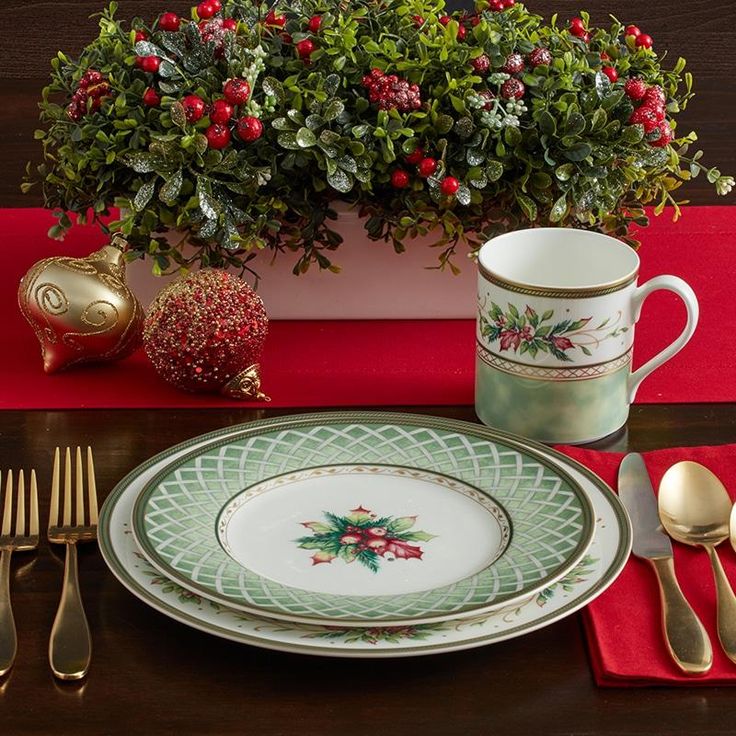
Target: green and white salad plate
[(599, 567), (363, 518)]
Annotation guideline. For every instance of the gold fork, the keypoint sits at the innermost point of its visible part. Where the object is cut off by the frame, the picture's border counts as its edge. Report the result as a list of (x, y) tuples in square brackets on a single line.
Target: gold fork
[(23, 539), (70, 647)]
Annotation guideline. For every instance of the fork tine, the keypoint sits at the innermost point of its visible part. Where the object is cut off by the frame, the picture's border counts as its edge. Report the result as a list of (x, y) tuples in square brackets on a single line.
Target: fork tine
[(8, 504), (67, 520), (33, 531), (91, 483), (80, 489), (54, 510), (20, 512)]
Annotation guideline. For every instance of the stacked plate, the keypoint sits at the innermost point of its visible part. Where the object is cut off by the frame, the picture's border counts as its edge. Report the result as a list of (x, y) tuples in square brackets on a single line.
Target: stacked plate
[(364, 534)]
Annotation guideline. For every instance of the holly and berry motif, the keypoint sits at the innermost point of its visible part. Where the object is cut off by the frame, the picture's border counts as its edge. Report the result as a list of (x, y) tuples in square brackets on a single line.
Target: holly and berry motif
[(93, 88), (376, 634), (529, 332), (363, 536)]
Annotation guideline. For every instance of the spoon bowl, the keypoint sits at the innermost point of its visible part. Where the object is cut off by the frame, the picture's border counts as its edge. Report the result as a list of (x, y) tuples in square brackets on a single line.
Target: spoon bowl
[(732, 526), (694, 508)]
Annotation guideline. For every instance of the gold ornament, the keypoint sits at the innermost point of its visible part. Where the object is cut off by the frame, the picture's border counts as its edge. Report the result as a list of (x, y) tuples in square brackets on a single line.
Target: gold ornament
[(81, 309)]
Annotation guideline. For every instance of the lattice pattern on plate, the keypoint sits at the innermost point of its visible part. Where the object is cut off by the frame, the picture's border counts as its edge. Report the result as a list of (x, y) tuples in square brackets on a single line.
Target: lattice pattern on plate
[(175, 517)]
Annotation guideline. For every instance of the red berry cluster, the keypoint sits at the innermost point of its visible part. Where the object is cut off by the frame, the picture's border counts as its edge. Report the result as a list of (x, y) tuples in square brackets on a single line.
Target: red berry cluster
[(462, 31), (168, 22), (92, 86), (275, 23), (577, 28), (391, 91), (513, 89), (651, 112), (222, 112), (498, 6), (274, 20), (426, 166), (642, 40), (208, 9), (215, 29)]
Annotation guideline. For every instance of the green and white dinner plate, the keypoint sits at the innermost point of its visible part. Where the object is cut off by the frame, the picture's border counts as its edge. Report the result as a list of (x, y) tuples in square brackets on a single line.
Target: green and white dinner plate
[(600, 566), (363, 518)]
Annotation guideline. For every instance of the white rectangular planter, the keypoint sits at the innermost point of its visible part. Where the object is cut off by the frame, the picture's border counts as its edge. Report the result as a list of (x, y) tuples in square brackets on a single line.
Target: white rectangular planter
[(375, 282)]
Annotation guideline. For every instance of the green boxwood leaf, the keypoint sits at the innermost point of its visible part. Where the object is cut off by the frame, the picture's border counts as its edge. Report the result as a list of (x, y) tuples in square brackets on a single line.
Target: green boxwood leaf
[(564, 172), (444, 124), (333, 109), (575, 123), (494, 170), (272, 86), (170, 190), (340, 180), (288, 140), (547, 123), (143, 195), (141, 163), (208, 204), (578, 152), (559, 209), (632, 134), (178, 116), (602, 85), (305, 138)]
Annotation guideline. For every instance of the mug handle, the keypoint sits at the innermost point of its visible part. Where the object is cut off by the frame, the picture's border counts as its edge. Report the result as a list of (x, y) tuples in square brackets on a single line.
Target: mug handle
[(685, 292)]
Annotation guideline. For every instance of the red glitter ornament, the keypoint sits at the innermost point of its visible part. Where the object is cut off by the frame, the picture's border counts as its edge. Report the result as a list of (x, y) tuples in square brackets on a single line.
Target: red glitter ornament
[(205, 333)]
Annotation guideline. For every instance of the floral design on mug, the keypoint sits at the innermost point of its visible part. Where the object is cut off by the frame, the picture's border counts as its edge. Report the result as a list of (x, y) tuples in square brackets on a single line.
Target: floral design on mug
[(363, 536), (530, 332)]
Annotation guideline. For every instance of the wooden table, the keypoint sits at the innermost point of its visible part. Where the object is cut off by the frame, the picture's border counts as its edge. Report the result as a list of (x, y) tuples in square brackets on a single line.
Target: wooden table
[(153, 675)]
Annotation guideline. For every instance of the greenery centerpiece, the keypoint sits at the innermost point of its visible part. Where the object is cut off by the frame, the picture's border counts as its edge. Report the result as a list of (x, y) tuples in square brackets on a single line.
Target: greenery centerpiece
[(242, 125)]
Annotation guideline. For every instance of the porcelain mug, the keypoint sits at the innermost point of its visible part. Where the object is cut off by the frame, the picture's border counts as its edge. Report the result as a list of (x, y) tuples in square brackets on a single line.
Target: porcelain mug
[(555, 333)]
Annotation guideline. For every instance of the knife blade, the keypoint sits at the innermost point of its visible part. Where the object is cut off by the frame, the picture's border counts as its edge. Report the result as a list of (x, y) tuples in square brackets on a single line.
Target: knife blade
[(685, 636), (636, 491)]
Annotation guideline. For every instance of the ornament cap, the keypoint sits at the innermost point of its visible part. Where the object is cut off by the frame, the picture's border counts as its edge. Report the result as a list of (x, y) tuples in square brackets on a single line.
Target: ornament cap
[(246, 385)]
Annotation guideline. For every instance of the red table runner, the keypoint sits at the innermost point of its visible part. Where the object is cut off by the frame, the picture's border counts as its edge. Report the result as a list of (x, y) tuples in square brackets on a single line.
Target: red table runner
[(398, 362)]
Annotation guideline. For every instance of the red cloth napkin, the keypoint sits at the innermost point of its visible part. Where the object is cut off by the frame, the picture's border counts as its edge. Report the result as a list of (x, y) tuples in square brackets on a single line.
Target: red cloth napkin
[(623, 626)]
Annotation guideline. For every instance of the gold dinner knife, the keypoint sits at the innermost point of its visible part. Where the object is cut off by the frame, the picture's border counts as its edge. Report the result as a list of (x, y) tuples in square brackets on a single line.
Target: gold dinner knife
[(686, 638)]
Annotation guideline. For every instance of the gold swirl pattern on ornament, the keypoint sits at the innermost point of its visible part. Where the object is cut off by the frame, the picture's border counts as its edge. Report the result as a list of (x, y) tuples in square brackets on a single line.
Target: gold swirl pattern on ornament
[(76, 264), (95, 316), (51, 299), (129, 340), (115, 283)]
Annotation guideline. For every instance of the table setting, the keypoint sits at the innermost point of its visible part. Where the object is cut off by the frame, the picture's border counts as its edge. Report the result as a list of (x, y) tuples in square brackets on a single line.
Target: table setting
[(366, 369)]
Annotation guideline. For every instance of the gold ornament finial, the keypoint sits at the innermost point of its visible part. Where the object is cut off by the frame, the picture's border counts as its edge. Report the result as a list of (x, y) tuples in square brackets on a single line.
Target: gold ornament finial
[(246, 385)]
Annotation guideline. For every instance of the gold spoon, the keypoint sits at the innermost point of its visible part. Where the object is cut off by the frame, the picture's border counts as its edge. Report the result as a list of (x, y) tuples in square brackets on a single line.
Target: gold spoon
[(695, 509), (732, 527)]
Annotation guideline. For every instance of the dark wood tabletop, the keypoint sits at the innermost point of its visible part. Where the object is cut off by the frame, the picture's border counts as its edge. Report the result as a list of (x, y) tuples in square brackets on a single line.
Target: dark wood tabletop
[(151, 674)]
